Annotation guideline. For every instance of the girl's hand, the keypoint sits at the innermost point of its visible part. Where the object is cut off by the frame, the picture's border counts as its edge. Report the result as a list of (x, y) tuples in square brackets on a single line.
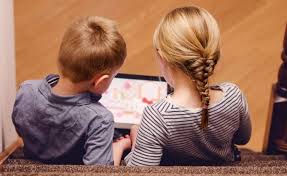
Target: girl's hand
[(133, 135), (123, 143)]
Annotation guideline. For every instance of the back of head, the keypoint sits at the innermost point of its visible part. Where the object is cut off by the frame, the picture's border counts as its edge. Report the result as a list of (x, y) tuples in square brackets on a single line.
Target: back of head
[(189, 38), (90, 45)]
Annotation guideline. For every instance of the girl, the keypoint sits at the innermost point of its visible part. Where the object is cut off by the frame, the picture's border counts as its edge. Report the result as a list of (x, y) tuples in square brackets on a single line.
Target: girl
[(197, 123)]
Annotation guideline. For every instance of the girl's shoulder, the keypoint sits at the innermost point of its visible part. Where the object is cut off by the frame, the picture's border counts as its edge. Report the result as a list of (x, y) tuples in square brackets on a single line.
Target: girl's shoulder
[(154, 113), (232, 92), (158, 109), (159, 106), (227, 87)]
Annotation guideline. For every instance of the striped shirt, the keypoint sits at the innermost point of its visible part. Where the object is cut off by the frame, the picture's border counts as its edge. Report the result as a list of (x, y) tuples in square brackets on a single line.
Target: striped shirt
[(171, 132)]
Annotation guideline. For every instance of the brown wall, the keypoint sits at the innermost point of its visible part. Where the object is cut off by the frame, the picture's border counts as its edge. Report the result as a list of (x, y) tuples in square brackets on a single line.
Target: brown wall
[(252, 34)]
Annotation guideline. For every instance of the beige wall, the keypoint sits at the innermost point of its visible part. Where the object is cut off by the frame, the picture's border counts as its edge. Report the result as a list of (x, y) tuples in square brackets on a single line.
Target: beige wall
[(7, 73), (252, 34)]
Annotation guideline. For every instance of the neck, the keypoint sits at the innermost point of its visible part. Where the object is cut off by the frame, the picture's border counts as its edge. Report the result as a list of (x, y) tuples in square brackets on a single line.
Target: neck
[(185, 91), (65, 87)]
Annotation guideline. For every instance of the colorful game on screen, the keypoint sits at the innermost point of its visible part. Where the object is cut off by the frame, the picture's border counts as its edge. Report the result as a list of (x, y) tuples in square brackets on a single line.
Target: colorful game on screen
[(126, 98)]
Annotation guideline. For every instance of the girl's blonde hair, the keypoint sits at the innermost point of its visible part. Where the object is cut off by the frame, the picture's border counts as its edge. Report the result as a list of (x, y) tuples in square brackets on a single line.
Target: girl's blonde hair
[(189, 38)]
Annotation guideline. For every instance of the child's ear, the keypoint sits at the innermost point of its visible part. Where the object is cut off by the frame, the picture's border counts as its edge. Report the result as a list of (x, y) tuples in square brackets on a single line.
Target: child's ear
[(162, 60), (99, 83)]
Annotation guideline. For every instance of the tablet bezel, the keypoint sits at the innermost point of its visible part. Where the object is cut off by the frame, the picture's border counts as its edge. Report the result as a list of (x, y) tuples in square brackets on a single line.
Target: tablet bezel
[(145, 78)]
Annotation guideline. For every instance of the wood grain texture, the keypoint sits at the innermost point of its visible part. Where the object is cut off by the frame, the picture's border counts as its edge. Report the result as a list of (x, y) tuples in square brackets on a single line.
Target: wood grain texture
[(10, 149), (252, 34)]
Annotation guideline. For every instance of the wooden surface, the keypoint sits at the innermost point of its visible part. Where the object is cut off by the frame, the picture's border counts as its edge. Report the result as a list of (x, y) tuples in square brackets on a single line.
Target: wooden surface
[(252, 34), (10, 149)]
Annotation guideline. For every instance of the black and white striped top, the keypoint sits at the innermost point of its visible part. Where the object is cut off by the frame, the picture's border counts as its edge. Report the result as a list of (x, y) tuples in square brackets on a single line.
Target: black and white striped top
[(168, 127)]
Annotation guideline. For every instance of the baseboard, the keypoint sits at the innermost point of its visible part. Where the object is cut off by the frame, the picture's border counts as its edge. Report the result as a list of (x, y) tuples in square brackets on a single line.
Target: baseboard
[(10, 149)]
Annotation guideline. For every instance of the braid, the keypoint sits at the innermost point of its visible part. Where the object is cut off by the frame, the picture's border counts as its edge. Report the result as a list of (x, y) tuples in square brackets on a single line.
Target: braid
[(189, 38), (200, 70)]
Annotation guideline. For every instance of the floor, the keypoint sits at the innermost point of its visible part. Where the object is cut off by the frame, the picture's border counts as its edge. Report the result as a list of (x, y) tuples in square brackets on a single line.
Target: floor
[(252, 164)]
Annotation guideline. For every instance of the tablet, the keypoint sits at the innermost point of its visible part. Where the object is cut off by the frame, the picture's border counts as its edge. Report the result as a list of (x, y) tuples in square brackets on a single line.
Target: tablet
[(129, 94)]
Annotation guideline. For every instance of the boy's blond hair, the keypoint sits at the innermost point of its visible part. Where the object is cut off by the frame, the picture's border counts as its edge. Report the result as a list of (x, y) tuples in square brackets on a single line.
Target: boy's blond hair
[(189, 38), (91, 45)]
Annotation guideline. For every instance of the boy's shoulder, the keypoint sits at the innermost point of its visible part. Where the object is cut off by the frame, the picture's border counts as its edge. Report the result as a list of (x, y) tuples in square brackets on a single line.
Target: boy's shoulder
[(87, 107), (28, 88), (102, 113), (50, 79), (30, 83)]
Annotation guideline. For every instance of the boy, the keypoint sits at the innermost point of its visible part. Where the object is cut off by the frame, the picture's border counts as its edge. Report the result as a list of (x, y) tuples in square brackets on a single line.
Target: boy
[(59, 117)]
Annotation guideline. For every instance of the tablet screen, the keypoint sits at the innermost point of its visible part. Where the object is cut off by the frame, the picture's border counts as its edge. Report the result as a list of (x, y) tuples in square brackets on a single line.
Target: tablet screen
[(128, 95)]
